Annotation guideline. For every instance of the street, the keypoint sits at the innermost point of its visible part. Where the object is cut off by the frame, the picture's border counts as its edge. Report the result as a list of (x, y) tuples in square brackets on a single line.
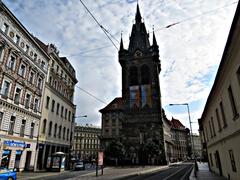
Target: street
[(174, 172)]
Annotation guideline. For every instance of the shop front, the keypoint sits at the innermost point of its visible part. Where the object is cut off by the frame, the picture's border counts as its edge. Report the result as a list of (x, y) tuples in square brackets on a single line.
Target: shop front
[(17, 154)]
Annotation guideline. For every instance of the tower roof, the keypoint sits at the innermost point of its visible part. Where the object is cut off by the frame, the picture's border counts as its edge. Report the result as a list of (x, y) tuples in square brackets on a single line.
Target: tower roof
[(138, 16)]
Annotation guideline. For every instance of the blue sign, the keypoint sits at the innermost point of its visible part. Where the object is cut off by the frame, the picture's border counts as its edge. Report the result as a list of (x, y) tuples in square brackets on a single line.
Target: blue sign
[(14, 144)]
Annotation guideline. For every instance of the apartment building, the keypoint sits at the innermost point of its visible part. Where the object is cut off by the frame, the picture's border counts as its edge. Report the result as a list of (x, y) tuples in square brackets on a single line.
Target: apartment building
[(86, 142), (220, 121), (23, 70), (58, 113)]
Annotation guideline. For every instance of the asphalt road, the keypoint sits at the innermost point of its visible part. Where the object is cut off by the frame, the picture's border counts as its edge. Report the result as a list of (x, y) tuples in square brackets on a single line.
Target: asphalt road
[(175, 172)]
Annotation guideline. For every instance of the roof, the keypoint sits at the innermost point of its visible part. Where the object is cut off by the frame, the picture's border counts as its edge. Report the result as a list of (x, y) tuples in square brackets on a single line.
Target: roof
[(175, 123), (224, 60), (41, 44), (115, 105)]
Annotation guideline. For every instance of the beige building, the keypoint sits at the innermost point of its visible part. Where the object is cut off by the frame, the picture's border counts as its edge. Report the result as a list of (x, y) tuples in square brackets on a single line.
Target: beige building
[(23, 69), (112, 116), (86, 142), (220, 121), (58, 113), (197, 146)]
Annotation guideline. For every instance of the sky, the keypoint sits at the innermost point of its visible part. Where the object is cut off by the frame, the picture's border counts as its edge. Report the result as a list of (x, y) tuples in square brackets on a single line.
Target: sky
[(190, 51)]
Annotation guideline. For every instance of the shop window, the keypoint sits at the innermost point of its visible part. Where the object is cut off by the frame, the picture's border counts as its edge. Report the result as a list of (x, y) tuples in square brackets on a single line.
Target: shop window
[(22, 129), (5, 158), (11, 125)]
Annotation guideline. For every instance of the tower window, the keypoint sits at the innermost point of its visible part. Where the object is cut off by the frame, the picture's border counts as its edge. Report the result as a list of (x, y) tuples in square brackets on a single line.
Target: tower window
[(145, 75), (133, 76)]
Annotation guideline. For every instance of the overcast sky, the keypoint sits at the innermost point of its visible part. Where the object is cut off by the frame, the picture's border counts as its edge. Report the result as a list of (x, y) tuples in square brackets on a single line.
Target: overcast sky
[(190, 51)]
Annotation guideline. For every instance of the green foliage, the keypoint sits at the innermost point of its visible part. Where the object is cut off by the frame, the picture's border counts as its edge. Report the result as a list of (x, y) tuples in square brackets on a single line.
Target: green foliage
[(115, 150)]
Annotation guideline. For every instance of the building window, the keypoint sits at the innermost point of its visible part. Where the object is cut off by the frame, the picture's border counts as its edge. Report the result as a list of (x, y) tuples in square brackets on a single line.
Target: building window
[(145, 75), (53, 105), (223, 115), (32, 130), (1, 52), (31, 77), (11, 62), (35, 57), (67, 134), (210, 127), (238, 74), (26, 48), (5, 28), (57, 111), (47, 102), (6, 87), (50, 129), (11, 125), (36, 105), (59, 132), (133, 76), (69, 115), (218, 120), (43, 64), (27, 101), (66, 113), (1, 118), (39, 84), (22, 70), (62, 109), (22, 129), (64, 131), (44, 126), (55, 130), (234, 108), (213, 127), (16, 39), (232, 161), (17, 95)]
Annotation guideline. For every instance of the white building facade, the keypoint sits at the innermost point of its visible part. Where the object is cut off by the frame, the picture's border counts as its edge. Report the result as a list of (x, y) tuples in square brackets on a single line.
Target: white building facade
[(23, 69)]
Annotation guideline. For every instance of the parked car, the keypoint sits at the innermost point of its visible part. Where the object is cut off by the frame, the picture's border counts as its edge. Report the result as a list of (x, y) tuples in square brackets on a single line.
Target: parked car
[(6, 174), (79, 165)]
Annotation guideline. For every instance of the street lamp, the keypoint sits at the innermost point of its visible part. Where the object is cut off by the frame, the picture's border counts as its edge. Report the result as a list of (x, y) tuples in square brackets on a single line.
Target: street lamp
[(190, 122)]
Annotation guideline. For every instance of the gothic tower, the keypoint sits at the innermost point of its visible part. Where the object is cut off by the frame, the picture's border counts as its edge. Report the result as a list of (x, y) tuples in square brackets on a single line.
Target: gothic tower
[(142, 131)]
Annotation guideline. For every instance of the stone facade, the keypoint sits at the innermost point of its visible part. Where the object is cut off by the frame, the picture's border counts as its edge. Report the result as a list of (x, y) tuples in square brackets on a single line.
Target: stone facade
[(58, 111), (86, 142), (220, 121), (23, 70)]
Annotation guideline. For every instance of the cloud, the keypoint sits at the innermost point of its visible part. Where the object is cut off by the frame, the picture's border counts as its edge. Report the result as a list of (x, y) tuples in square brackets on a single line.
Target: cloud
[(190, 51)]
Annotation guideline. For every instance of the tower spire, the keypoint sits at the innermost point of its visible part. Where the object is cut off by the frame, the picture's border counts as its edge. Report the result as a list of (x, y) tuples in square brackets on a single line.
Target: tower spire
[(154, 38), (121, 43), (138, 16)]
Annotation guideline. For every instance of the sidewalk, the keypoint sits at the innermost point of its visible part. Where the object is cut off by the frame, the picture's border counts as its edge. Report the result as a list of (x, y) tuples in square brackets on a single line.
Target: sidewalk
[(36, 175), (121, 172), (204, 173)]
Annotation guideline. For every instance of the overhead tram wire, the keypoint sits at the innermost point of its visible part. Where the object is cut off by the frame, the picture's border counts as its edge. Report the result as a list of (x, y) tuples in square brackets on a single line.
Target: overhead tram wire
[(90, 94), (106, 32), (161, 28)]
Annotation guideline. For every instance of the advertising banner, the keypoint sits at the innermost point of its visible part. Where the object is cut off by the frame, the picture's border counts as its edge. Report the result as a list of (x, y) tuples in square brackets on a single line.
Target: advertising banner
[(146, 93), (134, 96)]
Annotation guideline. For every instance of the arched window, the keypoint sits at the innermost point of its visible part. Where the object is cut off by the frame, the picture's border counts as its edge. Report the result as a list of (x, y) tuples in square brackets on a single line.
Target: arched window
[(133, 76), (50, 129), (55, 130), (145, 74), (67, 134), (64, 132), (59, 132), (44, 126)]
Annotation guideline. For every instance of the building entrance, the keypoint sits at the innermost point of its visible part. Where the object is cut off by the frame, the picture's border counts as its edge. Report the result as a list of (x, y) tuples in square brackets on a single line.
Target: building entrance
[(5, 158)]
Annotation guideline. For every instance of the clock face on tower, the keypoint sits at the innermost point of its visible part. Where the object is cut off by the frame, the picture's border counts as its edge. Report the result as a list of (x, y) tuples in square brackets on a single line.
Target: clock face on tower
[(138, 53)]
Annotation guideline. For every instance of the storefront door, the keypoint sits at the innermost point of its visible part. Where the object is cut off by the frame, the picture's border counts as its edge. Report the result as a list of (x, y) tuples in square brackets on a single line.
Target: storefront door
[(28, 160), (5, 158), (17, 159)]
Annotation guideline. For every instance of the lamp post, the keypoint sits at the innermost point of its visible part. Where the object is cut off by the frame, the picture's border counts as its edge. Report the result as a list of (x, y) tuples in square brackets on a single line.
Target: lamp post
[(190, 122)]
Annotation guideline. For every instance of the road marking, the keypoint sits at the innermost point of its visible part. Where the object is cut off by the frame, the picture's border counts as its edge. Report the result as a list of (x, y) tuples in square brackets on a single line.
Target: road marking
[(174, 173), (184, 176)]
